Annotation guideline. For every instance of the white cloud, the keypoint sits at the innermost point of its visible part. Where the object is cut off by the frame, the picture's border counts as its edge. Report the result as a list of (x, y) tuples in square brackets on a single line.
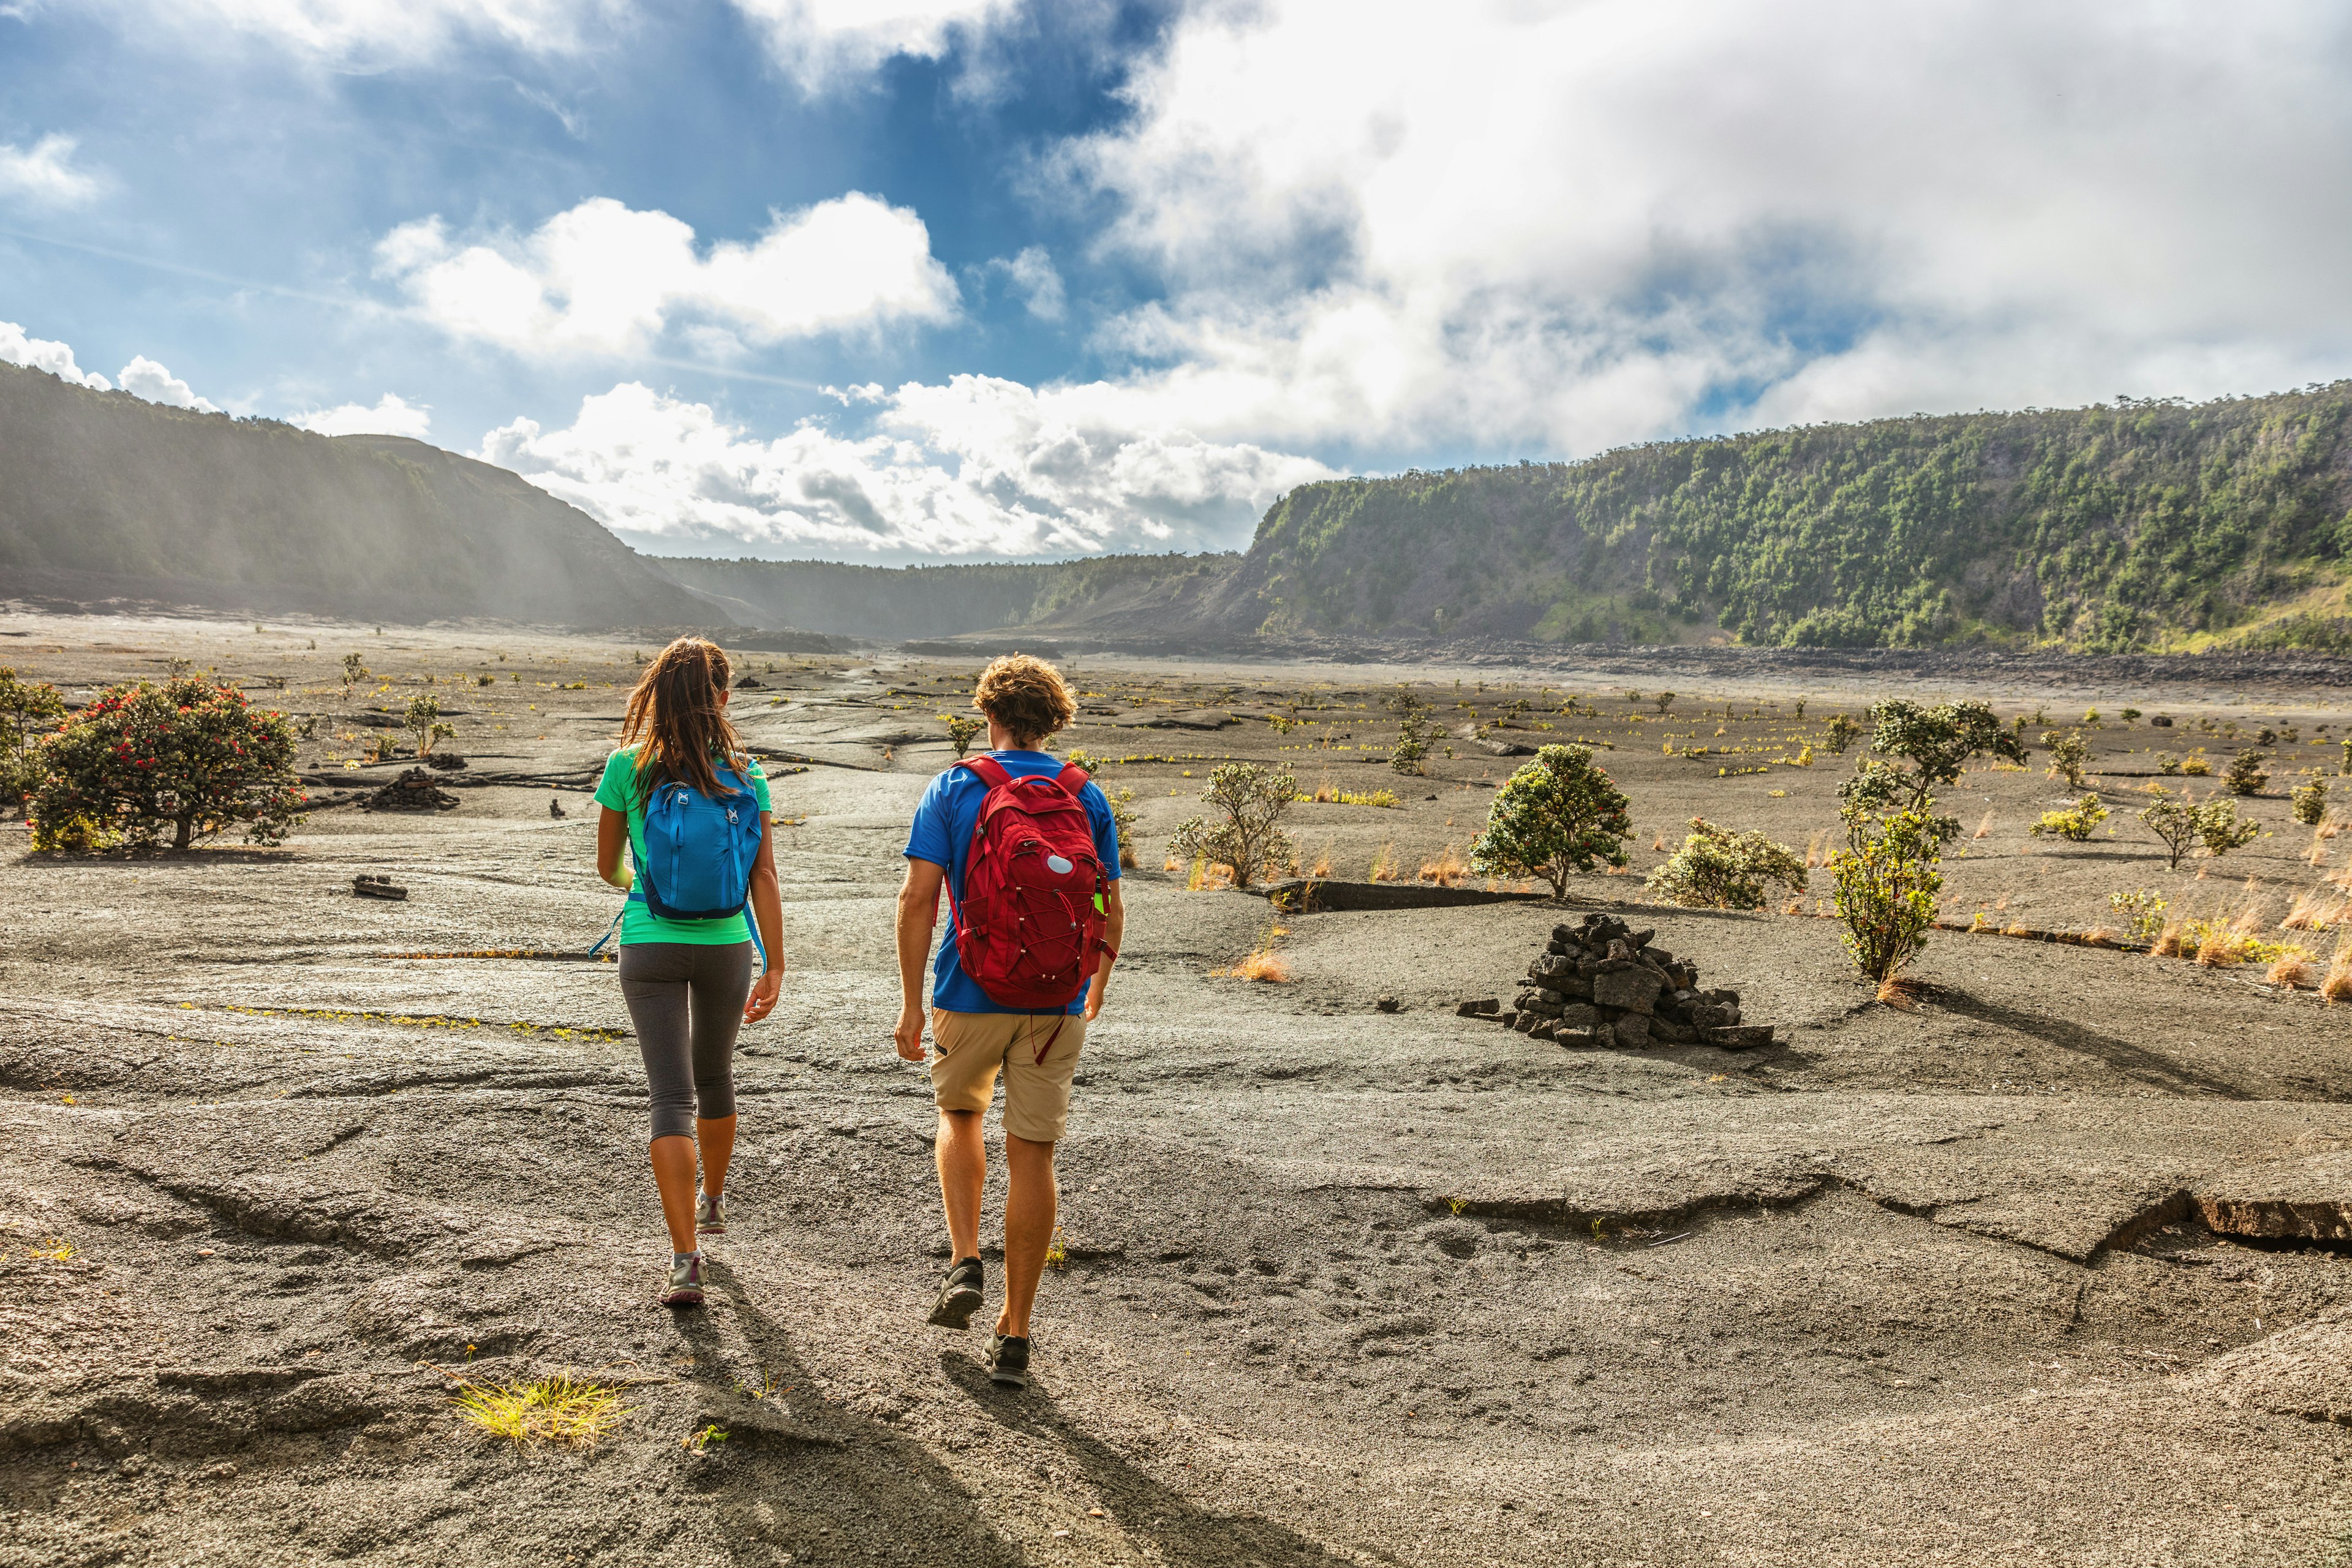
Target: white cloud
[(1563, 226), (1033, 276), (392, 415), (975, 467), (824, 44), (43, 174), (142, 377), (374, 34), (46, 353), (602, 279)]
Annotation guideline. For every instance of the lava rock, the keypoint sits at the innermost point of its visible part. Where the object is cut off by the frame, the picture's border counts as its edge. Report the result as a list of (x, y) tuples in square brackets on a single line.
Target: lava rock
[(412, 791), (369, 887), (1633, 989), (1389, 1004), (1476, 1007), (1739, 1036), (1631, 1031)]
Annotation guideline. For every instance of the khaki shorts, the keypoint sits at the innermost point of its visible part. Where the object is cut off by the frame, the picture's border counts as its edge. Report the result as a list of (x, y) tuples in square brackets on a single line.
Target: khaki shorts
[(968, 1048)]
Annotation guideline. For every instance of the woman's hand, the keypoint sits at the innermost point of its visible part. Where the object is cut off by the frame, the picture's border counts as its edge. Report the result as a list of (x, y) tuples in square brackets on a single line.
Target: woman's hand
[(765, 991), (908, 1035)]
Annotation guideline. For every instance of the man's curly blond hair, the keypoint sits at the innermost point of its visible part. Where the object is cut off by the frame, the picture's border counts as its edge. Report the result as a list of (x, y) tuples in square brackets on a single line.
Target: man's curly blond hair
[(1026, 696)]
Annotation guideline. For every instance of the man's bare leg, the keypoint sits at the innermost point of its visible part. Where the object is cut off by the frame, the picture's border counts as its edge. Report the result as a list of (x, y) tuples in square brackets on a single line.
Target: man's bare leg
[(963, 1156), (1029, 1213)]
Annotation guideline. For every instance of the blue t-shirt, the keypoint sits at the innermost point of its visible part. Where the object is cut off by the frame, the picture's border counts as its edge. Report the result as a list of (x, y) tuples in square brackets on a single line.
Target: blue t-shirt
[(942, 834)]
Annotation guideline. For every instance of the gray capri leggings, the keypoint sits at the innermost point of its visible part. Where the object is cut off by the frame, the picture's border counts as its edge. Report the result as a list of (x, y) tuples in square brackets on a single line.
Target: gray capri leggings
[(687, 1002)]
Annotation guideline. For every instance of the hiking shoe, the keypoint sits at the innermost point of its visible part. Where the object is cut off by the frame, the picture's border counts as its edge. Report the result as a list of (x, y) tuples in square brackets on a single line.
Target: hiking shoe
[(685, 1287), (709, 1215), (958, 1296), (1008, 1360)]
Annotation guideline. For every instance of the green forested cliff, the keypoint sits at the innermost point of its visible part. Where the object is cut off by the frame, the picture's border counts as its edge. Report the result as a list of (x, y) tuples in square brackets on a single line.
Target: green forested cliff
[(2135, 526)]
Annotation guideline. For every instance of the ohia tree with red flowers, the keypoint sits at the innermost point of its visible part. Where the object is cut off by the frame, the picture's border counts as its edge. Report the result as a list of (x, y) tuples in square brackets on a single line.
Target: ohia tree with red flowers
[(187, 756)]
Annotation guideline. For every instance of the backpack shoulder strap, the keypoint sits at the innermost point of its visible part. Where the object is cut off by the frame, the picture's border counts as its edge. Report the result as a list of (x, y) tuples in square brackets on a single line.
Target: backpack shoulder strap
[(988, 770), (1072, 778)]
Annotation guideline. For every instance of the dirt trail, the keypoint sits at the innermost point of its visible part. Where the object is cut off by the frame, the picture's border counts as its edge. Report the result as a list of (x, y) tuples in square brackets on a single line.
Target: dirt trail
[(1341, 1286)]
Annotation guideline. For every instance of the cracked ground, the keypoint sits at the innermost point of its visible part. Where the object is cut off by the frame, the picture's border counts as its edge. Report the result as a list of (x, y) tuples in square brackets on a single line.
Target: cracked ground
[(1935, 1285)]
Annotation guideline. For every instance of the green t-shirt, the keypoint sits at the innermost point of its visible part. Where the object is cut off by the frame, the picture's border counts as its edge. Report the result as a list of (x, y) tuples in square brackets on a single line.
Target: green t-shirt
[(617, 791)]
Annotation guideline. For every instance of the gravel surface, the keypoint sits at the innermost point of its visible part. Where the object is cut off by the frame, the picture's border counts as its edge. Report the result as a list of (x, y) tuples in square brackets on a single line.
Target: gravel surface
[(1928, 1284)]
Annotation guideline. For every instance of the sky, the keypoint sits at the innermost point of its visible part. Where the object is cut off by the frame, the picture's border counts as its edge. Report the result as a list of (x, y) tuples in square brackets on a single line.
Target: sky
[(908, 280)]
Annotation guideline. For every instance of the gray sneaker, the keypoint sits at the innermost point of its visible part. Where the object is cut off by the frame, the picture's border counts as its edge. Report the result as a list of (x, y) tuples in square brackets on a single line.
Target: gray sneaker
[(1008, 1360), (685, 1282), (709, 1215)]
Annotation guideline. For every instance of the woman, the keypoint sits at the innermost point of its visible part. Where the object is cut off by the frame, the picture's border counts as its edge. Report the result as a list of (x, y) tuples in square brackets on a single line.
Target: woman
[(687, 977)]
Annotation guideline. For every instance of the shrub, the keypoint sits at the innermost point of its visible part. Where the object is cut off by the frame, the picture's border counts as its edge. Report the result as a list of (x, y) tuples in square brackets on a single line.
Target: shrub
[(1887, 878), (188, 755), (2311, 802), (355, 670), (2068, 752), (1558, 814), (1716, 868), (1415, 730), (2073, 824), (1937, 742), (2343, 768), (1841, 733), (1122, 814), (2246, 775), (424, 722), (963, 729), (2183, 827), (2168, 765), (25, 705), (2142, 911), (1247, 800), (2196, 767), (1663, 701)]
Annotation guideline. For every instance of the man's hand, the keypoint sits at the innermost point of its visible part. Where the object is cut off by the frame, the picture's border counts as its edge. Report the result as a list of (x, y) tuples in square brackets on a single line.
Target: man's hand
[(765, 991), (1094, 995), (908, 1035)]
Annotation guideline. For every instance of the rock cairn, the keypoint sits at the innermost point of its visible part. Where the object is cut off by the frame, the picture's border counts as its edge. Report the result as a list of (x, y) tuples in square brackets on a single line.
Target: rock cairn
[(412, 791), (1603, 983)]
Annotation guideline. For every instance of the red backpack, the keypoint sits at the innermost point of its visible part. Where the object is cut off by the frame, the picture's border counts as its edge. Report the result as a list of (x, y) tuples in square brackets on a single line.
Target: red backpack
[(1028, 928)]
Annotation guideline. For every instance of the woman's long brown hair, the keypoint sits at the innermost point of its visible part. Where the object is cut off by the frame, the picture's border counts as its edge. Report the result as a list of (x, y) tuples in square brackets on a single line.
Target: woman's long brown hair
[(675, 711)]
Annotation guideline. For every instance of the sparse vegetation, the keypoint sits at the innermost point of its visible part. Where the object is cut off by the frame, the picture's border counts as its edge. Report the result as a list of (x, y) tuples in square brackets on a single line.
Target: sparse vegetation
[(963, 729), (1122, 814), (2310, 802), (1415, 732), (1243, 829), (1840, 735), (1556, 815), (2068, 753), (2142, 913), (187, 756), (564, 1409), (2246, 775), (2073, 823), (1716, 868), (2182, 826), (423, 720)]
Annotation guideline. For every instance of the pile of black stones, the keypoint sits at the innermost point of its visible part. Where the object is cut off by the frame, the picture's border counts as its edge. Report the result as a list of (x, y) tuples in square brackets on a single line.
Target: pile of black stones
[(1603, 984)]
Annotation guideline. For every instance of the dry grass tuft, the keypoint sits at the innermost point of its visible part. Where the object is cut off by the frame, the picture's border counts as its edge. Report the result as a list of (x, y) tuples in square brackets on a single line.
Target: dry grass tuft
[(2293, 969), (2102, 936), (2337, 984), (2314, 910), (1322, 863), (1384, 864), (1817, 852), (1657, 845), (1901, 993), (1984, 827), (1445, 870), (559, 1409), (2168, 940)]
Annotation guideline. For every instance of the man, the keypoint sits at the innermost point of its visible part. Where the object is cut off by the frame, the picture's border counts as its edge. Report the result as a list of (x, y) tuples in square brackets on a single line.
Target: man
[(1023, 700)]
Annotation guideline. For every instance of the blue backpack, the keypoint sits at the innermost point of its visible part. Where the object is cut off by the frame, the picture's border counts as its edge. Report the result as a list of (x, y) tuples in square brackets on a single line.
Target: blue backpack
[(699, 851)]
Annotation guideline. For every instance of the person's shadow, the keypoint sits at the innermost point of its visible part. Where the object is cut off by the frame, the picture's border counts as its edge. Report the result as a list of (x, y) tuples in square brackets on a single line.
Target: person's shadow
[(812, 1480), (1147, 1510)]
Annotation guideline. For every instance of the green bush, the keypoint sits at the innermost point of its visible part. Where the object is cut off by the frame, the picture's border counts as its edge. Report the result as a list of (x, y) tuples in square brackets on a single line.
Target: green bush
[(1558, 815), (2182, 827), (2311, 802), (1122, 814), (2246, 775), (25, 705), (188, 755), (1887, 878), (1840, 734), (2068, 752), (1247, 801), (1936, 742), (2073, 824), (962, 729), (1716, 868), (1415, 732)]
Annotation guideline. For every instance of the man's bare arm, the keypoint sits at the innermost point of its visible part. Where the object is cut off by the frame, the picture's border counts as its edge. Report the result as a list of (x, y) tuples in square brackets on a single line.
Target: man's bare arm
[(918, 916)]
